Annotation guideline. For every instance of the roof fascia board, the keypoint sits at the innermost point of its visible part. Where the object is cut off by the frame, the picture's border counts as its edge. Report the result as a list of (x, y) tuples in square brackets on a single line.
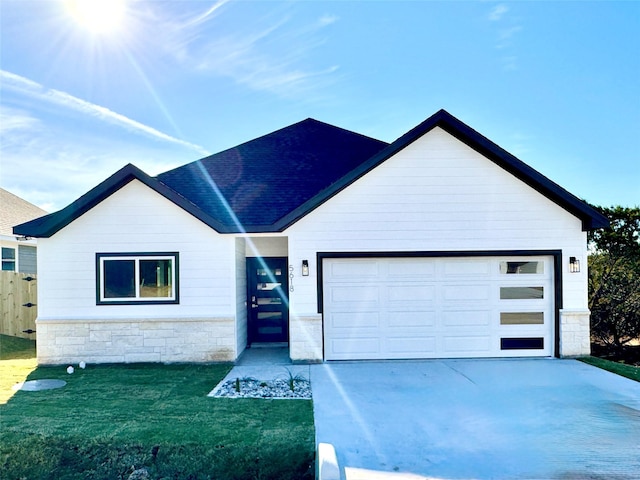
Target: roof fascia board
[(45, 227)]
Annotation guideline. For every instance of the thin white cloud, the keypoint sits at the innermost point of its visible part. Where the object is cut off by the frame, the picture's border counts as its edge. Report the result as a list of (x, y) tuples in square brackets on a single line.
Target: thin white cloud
[(505, 31), (506, 37), (29, 87), (270, 56), (268, 79), (12, 119), (508, 33), (40, 152), (498, 12), (510, 63), (206, 15), (327, 20)]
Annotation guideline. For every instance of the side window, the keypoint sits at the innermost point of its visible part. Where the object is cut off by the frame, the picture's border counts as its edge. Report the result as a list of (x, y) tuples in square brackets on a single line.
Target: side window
[(9, 259), (131, 278)]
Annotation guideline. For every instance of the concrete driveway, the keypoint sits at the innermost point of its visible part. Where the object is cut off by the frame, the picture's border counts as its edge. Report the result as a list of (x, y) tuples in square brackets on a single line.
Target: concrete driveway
[(478, 419)]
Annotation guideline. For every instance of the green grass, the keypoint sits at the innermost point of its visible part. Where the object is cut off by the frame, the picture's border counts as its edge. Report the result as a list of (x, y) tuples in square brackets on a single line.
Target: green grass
[(110, 419), (622, 369), (12, 348)]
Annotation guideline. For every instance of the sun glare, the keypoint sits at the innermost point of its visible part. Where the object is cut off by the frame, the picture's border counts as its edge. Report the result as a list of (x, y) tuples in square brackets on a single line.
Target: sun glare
[(98, 16)]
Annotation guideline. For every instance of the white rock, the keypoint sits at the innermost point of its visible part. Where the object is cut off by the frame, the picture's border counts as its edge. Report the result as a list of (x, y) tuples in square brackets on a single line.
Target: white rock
[(70, 370), (82, 365)]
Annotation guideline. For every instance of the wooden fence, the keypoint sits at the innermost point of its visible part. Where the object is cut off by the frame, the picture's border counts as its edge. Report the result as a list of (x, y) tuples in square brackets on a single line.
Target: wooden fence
[(17, 292)]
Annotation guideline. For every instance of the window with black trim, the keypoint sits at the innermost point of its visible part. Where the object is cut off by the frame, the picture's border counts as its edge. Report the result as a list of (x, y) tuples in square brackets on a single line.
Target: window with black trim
[(131, 278)]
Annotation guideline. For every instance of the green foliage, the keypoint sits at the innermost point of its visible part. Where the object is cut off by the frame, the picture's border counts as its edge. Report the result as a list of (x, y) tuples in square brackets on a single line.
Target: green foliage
[(628, 371), (110, 419), (614, 278), (622, 238), (292, 379)]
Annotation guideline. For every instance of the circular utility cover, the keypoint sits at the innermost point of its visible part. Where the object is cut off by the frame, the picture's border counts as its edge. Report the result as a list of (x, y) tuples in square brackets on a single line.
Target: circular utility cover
[(37, 385)]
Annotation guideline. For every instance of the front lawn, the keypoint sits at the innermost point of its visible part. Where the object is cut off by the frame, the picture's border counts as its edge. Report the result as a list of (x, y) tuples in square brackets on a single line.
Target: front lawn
[(629, 371), (112, 419)]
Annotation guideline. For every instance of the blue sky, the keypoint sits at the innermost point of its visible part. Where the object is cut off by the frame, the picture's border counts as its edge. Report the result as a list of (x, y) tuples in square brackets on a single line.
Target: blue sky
[(555, 83)]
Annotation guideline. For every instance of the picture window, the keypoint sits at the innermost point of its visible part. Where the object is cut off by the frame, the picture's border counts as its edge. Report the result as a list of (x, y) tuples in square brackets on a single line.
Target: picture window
[(124, 278)]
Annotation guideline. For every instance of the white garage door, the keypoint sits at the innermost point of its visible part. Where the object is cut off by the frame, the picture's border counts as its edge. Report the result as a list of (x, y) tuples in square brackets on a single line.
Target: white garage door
[(393, 308)]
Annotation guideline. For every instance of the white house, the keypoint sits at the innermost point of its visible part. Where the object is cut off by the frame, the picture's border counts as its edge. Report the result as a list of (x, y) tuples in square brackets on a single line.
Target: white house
[(440, 244)]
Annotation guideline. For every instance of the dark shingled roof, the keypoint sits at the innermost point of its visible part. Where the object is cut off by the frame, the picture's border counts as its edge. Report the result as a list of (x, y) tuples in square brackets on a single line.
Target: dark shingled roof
[(265, 179), (267, 184)]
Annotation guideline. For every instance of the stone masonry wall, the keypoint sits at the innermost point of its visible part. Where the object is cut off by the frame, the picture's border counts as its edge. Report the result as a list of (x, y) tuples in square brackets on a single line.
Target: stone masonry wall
[(575, 338), (305, 338), (140, 340)]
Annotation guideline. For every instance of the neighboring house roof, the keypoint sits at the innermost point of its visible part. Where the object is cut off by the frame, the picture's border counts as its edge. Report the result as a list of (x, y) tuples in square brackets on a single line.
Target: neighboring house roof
[(267, 184), (14, 210)]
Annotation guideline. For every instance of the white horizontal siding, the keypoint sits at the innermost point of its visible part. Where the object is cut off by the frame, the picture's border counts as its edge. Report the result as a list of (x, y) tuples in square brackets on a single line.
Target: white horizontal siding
[(136, 219), (437, 195), (241, 295)]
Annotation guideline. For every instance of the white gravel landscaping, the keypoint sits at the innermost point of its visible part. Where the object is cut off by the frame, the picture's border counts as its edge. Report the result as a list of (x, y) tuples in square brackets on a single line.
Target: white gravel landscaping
[(253, 388), (272, 381)]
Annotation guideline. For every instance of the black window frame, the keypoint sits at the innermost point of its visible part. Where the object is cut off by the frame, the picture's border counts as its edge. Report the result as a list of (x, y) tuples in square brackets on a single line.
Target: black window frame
[(101, 300)]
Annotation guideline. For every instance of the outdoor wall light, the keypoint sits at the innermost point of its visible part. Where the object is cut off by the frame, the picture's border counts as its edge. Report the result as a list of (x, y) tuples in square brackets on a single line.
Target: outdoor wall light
[(305, 268), (574, 265)]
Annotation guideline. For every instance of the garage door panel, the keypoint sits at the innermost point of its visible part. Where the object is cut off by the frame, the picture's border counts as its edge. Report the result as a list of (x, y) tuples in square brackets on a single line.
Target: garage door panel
[(355, 347), (465, 293), (394, 308), (411, 346), (411, 293), (409, 268), (364, 295), (354, 320), (477, 345), (466, 318), (354, 268), (466, 268), (412, 319)]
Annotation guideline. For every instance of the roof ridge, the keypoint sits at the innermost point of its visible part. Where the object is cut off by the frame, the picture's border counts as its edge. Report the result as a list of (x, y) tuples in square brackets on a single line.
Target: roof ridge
[(273, 134)]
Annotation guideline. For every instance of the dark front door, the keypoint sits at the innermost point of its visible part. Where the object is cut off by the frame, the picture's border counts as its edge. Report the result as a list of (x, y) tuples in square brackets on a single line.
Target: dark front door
[(268, 302)]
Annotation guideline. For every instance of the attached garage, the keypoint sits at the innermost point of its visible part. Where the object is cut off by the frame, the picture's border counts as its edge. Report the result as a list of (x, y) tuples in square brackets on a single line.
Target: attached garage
[(403, 307)]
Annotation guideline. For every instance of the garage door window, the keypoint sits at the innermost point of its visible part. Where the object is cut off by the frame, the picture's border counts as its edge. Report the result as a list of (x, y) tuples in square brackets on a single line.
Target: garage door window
[(521, 318), (522, 343), (521, 293), (522, 268)]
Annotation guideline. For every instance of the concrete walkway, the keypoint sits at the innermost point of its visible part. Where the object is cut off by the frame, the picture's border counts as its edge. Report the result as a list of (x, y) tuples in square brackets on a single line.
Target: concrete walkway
[(478, 419), (265, 364)]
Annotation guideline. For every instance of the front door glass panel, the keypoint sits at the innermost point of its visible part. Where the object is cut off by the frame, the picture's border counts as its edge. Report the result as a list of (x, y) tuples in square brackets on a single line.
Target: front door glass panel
[(268, 305)]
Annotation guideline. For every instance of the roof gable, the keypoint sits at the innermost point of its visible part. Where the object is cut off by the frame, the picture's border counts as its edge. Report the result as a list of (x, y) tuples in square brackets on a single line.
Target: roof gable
[(48, 225), (591, 218)]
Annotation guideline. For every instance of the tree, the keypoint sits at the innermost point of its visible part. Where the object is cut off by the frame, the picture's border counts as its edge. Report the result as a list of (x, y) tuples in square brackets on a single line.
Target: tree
[(614, 278)]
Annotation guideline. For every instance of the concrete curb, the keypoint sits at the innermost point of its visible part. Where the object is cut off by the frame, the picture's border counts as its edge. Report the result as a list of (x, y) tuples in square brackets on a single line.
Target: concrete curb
[(327, 463)]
